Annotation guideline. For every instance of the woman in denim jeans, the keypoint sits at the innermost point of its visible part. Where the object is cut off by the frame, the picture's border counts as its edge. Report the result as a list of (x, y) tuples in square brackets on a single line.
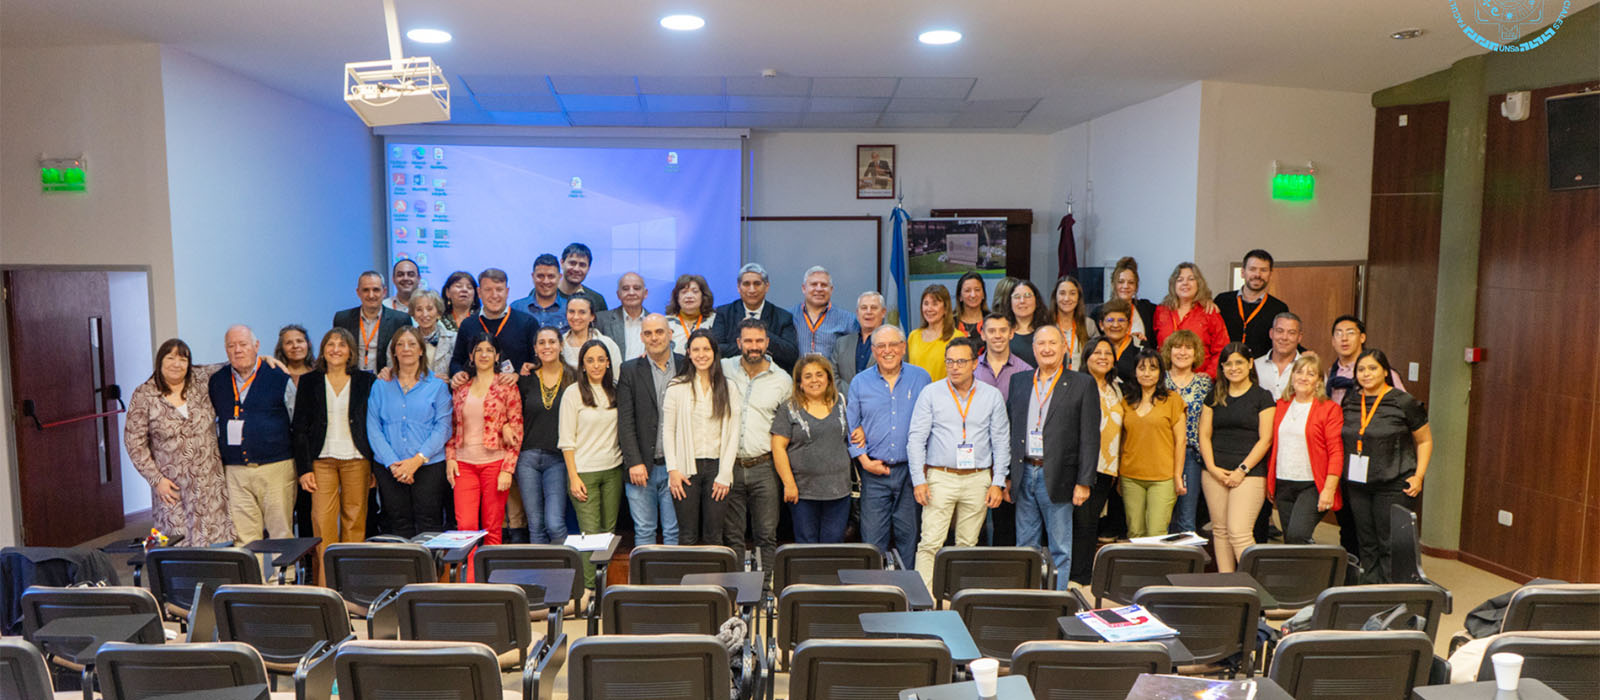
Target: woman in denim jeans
[(541, 472)]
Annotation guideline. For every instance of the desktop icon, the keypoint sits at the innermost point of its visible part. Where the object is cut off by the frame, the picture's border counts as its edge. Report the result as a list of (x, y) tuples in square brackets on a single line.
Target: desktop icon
[(438, 206), (399, 179), (438, 183), (422, 232), (420, 207), (418, 180), (577, 187), (438, 153), (440, 234), (401, 256), (399, 206), (672, 157), (421, 153), (397, 153), (399, 232), (422, 259)]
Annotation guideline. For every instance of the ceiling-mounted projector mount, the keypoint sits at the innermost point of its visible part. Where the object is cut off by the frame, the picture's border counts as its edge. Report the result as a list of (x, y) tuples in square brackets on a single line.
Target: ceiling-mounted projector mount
[(398, 90)]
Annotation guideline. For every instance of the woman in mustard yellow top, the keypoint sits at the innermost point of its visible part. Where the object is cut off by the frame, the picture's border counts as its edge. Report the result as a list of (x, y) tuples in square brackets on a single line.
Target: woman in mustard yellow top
[(925, 347), (1153, 430)]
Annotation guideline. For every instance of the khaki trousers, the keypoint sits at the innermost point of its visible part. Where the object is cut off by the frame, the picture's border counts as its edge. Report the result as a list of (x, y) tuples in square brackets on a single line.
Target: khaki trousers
[(1233, 516), (958, 497), (261, 497)]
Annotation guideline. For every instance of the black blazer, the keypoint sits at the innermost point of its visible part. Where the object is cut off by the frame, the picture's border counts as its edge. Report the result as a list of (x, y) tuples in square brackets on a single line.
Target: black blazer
[(1071, 431), (783, 344), (389, 322), (310, 428), (638, 415)]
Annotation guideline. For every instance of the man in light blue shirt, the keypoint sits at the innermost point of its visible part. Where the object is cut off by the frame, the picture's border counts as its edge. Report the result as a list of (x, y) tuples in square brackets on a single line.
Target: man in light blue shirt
[(878, 408), (544, 303), (817, 325), (959, 453)]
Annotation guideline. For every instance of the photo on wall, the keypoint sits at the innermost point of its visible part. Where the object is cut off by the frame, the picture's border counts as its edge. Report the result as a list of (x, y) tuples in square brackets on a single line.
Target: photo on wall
[(875, 172), (949, 247)]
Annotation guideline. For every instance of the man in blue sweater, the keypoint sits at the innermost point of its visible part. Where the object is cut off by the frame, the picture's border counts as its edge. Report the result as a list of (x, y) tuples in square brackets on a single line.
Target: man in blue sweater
[(513, 330), (252, 402)]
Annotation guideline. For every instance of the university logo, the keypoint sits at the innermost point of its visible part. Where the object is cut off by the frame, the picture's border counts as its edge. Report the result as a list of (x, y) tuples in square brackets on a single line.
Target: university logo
[(1507, 20)]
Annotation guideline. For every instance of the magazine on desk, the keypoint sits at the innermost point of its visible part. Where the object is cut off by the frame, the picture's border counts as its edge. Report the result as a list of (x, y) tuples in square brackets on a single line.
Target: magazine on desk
[(1130, 623), (454, 539), (589, 543), (1162, 687)]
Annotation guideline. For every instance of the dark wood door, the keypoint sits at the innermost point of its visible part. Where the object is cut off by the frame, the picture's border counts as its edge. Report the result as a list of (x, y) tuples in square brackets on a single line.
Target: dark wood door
[(1317, 293), (59, 327)]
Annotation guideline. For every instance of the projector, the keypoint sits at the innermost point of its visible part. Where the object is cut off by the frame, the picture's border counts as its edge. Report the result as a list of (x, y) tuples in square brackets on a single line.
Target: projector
[(397, 91)]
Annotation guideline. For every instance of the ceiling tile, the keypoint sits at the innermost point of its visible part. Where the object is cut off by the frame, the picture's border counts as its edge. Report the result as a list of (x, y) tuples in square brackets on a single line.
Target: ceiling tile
[(594, 84), (680, 85), (935, 88), (684, 103), (915, 104), (482, 84), (763, 120), (988, 120), (778, 86), (738, 103), (849, 104), (600, 103), (705, 119), (999, 105), (840, 120), (518, 103), (916, 120), (607, 118), (530, 118), (852, 87)]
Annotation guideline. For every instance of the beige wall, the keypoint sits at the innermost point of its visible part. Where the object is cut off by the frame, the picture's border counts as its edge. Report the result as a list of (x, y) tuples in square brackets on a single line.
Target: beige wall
[(1243, 128)]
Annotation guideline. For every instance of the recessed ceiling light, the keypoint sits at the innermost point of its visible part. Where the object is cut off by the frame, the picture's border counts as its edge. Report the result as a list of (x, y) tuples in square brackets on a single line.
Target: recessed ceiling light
[(429, 36), (682, 23), (1406, 34), (939, 36)]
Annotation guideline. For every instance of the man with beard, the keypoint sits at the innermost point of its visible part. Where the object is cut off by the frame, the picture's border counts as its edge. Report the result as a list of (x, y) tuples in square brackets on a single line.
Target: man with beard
[(1248, 313)]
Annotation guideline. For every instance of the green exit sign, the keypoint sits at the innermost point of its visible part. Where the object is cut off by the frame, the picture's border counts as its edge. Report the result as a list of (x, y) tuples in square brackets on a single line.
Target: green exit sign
[(64, 175), (1294, 187)]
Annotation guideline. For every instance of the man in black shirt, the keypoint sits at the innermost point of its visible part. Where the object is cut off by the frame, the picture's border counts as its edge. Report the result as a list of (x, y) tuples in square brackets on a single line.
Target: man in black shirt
[(1248, 312), (514, 330)]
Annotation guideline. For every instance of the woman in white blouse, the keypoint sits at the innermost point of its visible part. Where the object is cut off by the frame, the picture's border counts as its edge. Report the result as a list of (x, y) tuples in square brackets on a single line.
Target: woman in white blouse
[(581, 331), (699, 438), (587, 438)]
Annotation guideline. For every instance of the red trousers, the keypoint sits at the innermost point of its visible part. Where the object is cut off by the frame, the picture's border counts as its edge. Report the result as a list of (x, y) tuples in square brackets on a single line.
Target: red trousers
[(479, 504)]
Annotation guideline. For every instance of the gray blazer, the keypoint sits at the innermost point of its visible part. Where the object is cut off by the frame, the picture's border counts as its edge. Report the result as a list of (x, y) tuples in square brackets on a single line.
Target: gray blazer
[(611, 326), (844, 360)]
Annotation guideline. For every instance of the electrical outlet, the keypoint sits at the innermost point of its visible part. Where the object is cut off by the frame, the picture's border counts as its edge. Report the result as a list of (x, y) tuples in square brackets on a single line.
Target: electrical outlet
[(1505, 518), (1404, 118), (1415, 371)]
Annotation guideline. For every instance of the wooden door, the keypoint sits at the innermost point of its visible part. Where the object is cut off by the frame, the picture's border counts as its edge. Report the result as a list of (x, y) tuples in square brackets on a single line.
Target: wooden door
[(59, 327), (1317, 292)]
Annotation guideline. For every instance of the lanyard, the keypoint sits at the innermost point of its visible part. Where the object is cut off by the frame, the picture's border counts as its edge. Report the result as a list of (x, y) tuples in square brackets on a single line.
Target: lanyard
[(1071, 332), (1040, 401), (498, 328), (237, 390), (814, 325), (686, 329), (1123, 345), (1239, 299), (971, 392), (1366, 417), (366, 339)]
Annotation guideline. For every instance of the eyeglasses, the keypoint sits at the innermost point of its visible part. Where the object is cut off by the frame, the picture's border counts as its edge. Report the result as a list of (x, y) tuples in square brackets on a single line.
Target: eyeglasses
[(1112, 321), (956, 362), (1346, 333), (887, 345)]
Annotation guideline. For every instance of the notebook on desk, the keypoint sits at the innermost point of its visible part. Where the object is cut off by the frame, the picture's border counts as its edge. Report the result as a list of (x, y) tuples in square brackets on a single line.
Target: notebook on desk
[(589, 543), (1130, 623)]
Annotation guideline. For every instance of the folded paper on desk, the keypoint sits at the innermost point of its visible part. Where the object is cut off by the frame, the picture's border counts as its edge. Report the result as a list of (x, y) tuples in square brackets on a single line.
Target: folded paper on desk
[(1130, 623), (589, 543), (454, 539), (1179, 538), (1160, 687)]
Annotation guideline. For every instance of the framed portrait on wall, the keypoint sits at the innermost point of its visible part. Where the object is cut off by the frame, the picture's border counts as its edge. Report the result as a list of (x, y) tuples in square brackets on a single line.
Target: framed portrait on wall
[(875, 172)]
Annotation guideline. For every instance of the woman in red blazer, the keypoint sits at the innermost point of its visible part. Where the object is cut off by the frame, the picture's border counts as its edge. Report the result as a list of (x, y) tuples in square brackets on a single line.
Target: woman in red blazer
[(481, 456), (1307, 452), (1188, 306)]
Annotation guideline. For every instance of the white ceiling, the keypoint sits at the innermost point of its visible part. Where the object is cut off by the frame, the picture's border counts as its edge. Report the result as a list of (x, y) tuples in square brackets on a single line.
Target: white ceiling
[(1047, 64)]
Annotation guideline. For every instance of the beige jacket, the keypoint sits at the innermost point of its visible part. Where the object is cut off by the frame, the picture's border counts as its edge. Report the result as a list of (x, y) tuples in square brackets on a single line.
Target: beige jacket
[(677, 437)]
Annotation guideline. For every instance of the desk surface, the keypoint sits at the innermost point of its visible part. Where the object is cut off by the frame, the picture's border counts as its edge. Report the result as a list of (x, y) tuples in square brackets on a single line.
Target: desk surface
[(254, 691), (288, 549), (1222, 580), (92, 631), (944, 625), (1152, 686), (1075, 630), (1009, 688), (908, 581), (745, 585), (555, 585), (1527, 689)]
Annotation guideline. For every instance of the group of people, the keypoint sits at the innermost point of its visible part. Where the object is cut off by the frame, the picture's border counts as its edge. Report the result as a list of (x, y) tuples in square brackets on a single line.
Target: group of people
[(1014, 420)]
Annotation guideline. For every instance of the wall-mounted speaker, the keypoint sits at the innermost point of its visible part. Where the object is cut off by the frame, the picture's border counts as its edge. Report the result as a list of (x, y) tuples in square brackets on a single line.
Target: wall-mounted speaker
[(1574, 146)]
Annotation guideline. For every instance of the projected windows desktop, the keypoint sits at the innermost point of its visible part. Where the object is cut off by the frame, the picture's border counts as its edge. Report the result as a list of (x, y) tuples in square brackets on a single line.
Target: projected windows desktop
[(660, 212)]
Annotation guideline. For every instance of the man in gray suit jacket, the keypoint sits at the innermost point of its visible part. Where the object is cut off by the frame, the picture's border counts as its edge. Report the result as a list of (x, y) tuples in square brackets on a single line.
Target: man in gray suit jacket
[(372, 324), (853, 351), (624, 324)]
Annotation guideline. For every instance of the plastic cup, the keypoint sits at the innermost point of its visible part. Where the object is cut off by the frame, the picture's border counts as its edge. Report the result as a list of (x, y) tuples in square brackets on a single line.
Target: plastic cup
[(987, 673), (1507, 670)]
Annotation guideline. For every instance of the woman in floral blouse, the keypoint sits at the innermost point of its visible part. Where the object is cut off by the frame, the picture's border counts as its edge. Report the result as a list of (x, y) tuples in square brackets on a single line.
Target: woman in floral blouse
[(1185, 354), (481, 456)]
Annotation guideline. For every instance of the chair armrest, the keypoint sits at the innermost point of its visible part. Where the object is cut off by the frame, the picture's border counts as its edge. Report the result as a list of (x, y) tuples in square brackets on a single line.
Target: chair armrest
[(1449, 600), (539, 676), (1049, 570), (753, 672), (88, 682), (1083, 603), (893, 561), (202, 620), (313, 673), (383, 622)]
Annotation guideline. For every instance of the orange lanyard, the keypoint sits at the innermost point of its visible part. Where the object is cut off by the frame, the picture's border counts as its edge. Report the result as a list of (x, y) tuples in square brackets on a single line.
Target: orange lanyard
[(367, 338), (686, 329), (1239, 299), (1040, 401), (1366, 417), (1123, 346), (237, 389), (814, 325), (1071, 332), (972, 392), (498, 328)]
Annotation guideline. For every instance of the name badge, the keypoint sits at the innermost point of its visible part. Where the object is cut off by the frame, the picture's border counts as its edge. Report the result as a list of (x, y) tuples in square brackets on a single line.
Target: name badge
[(966, 456), (1358, 469), (236, 432), (1035, 444)]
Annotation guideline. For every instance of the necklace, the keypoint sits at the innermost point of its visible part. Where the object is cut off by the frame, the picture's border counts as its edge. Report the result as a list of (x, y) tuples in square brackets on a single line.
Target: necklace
[(547, 394)]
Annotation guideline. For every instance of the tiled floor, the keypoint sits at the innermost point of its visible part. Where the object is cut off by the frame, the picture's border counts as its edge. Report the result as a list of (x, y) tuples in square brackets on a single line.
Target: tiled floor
[(1469, 586)]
